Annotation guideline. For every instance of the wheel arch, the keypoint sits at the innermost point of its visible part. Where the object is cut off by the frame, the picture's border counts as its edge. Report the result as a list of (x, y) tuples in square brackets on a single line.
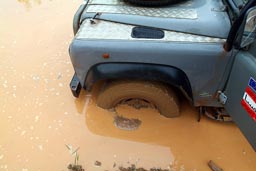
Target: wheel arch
[(142, 71)]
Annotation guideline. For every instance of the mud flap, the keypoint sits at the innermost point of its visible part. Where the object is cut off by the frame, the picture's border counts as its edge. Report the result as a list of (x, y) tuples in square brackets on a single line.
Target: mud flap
[(75, 86)]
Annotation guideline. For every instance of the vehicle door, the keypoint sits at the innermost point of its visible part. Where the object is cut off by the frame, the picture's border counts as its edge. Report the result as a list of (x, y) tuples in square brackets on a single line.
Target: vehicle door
[(241, 86)]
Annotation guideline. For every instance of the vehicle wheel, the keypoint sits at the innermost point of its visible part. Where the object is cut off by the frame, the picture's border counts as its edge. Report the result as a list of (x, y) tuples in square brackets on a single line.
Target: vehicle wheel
[(160, 95), (153, 2)]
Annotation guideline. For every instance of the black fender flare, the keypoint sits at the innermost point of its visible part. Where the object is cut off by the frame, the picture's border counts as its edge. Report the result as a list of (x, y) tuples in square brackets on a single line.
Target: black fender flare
[(150, 72)]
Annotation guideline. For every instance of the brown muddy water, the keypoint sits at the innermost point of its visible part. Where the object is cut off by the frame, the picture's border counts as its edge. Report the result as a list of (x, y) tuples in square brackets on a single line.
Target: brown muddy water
[(39, 116)]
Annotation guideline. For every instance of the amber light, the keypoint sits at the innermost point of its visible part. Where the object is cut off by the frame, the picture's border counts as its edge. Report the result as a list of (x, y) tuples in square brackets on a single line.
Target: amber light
[(105, 55)]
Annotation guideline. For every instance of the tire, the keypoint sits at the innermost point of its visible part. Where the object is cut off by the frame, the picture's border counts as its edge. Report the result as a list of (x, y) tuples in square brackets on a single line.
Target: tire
[(152, 3), (161, 96)]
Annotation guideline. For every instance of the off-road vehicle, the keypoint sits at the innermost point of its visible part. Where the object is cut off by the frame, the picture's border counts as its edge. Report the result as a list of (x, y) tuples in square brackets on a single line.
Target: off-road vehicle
[(157, 50)]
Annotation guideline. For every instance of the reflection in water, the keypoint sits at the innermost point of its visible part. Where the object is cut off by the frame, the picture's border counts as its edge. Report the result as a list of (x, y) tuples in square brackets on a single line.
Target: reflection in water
[(28, 3), (189, 141)]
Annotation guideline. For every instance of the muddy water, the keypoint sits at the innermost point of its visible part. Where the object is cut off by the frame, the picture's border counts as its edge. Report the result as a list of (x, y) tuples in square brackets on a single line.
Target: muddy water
[(39, 116)]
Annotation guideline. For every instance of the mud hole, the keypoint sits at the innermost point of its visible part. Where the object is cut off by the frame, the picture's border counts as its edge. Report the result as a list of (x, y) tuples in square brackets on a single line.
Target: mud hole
[(39, 116)]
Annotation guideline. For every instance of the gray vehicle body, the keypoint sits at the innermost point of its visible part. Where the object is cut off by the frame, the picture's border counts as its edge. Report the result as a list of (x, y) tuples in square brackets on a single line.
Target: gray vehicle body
[(198, 52), (189, 57)]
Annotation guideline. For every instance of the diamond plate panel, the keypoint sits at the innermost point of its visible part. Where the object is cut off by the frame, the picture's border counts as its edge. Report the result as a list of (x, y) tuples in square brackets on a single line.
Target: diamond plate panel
[(181, 13), (116, 31)]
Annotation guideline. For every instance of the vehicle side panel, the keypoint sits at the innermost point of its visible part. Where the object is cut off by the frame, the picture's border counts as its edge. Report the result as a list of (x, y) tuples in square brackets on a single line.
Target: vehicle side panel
[(203, 63)]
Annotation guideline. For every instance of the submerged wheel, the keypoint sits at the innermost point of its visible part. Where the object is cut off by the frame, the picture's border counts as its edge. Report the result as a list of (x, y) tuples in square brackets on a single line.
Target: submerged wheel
[(153, 2), (160, 95)]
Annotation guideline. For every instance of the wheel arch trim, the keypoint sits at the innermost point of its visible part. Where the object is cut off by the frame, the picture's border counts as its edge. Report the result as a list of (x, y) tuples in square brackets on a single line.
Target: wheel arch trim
[(144, 71)]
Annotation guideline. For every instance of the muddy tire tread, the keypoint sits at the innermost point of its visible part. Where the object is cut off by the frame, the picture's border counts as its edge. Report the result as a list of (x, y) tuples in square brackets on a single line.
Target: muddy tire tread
[(162, 96)]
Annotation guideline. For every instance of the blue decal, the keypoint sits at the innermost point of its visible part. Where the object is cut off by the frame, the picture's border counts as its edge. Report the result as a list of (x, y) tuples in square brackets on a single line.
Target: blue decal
[(252, 84)]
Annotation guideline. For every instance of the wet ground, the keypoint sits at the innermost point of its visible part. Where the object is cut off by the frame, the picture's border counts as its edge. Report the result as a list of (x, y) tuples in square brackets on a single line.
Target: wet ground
[(39, 116)]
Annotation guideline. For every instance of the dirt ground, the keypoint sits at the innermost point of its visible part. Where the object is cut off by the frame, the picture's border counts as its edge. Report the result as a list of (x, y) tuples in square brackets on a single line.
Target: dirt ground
[(40, 118)]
